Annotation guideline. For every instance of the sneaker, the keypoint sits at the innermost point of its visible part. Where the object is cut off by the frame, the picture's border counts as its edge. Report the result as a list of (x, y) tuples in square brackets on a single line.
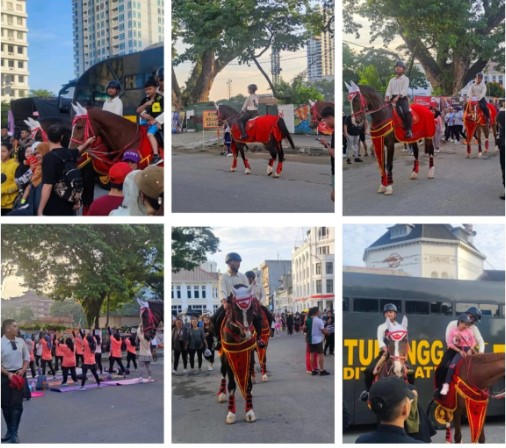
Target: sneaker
[(174, 372), (364, 396), (348, 161), (314, 372), (445, 389), (185, 371), (357, 159), (229, 154), (324, 372), (210, 368), (63, 384), (155, 160), (82, 388), (99, 386)]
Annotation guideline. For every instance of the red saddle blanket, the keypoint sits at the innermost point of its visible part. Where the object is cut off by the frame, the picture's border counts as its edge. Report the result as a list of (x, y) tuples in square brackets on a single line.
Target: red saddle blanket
[(259, 129), (424, 125)]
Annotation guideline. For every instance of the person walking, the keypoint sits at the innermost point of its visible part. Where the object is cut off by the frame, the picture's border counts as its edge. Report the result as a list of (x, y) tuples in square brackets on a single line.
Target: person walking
[(131, 347), (115, 352), (317, 333), (30, 346), (329, 338), (209, 334), (145, 356), (196, 344), (180, 345), (15, 361)]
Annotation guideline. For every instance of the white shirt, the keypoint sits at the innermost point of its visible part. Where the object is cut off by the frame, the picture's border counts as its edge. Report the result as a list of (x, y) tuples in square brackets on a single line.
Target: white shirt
[(478, 90), (317, 327), (382, 329), (251, 103), (474, 329), (228, 281), (114, 105), (13, 360), (398, 86)]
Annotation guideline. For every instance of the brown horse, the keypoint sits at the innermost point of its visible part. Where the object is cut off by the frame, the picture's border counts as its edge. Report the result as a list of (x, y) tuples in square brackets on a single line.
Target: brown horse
[(475, 122), (267, 129), (316, 117), (394, 361), (386, 131), (238, 342), (264, 336), (472, 380)]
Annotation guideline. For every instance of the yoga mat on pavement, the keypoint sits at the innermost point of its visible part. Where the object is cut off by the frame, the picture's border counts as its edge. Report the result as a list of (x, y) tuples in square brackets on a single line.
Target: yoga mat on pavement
[(75, 387), (132, 381)]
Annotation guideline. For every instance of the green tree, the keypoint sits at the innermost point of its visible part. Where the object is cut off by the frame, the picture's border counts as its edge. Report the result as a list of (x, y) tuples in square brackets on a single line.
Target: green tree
[(87, 263), (68, 307), (41, 93), (325, 87), (495, 90), (5, 109), (25, 314), (369, 75), (214, 33), (297, 92), (453, 40), (349, 65), (190, 245)]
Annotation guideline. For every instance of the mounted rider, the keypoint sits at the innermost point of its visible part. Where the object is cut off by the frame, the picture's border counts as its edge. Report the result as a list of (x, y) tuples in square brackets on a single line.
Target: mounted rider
[(390, 315), (397, 93), (248, 110), (228, 281), (478, 90), (113, 104)]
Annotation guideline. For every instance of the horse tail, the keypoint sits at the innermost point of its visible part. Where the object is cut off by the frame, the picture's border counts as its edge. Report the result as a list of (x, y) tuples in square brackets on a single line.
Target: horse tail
[(285, 133)]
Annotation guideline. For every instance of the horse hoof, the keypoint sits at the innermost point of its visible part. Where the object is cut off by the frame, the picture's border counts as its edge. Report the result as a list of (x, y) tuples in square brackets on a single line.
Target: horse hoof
[(232, 170), (265, 378), (276, 175), (388, 190), (222, 398), (230, 418), (431, 173), (247, 171), (269, 170), (382, 189), (250, 416), (414, 175), (468, 156), (480, 155)]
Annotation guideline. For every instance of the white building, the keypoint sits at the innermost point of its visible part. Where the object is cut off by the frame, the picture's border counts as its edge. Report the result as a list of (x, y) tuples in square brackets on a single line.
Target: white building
[(427, 250), (313, 270), (314, 59), (105, 28), (320, 53), (14, 50), (195, 290), (328, 48)]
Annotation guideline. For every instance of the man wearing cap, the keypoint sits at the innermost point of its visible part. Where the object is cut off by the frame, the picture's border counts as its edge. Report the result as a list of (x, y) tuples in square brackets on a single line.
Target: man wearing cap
[(131, 157), (150, 184), (397, 92), (479, 91), (111, 201), (15, 361), (390, 399)]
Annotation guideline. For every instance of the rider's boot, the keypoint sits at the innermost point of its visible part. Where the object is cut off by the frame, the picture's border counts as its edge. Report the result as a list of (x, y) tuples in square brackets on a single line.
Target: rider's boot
[(243, 136), (409, 133), (155, 160)]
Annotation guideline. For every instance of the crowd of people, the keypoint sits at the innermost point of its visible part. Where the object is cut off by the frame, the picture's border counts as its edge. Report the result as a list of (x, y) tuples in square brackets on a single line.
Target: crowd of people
[(40, 178)]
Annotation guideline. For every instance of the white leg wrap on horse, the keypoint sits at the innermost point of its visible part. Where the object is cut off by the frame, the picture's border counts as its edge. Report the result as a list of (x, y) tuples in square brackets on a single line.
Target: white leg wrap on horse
[(431, 173), (480, 155), (250, 416), (222, 398), (247, 171), (265, 377), (414, 175), (389, 190), (275, 175), (230, 418), (381, 188)]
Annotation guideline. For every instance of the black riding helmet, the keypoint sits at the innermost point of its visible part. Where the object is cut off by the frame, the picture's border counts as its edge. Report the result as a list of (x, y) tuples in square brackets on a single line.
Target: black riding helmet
[(232, 256), (253, 87), (159, 73), (475, 312), (150, 83), (400, 64), (250, 274), (114, 84), (389, 307)]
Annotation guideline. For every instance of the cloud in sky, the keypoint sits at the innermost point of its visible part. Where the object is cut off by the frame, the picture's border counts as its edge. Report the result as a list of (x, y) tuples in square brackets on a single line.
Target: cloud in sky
[(357, 237)]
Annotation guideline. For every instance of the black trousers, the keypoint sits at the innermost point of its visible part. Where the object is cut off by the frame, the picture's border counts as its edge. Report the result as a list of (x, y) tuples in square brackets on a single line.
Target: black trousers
[(402, 107), (51, 368), (66, 371), (32, 368), (245, 116), (501, 157), (93, 368), (329, 344), (12, 406), (118, 361), (191, 352), (184, 355), (484, 107), (131, 357), (98, 361), (57, 362)]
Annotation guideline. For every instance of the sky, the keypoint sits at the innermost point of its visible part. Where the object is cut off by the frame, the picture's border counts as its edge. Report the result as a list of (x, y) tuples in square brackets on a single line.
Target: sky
[(256, 244), (50, 45), (489, 240)]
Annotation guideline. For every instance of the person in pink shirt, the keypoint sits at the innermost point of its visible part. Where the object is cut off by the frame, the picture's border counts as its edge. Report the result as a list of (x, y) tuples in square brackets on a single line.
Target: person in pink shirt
[(461, 340), (89, 347), (68, 363)]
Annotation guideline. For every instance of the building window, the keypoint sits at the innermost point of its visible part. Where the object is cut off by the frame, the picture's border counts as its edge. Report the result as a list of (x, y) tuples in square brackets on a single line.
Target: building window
[(330, 285), (189, 292), (21, 64), (172, 293), (329, 268), (20, 50), (215, 293), (196, 292), (204, 292), (178, 292), (318, 286), (10, 49), (11, 64), (318, 268), (21, 79), (322, 232)]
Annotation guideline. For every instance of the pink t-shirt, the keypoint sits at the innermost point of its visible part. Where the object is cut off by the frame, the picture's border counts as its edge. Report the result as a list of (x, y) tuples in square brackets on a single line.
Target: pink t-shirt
[(460, 338)]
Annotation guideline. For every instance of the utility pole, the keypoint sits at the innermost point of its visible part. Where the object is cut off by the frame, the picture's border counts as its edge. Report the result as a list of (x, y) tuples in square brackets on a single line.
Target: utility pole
[(229, 83)]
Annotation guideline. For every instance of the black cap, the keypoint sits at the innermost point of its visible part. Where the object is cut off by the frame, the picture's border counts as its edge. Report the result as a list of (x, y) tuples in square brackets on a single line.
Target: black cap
[(387, 393)]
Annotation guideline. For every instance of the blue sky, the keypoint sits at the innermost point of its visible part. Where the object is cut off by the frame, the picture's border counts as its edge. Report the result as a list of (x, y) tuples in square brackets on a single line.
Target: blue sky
[(489, 240), (50, 50)]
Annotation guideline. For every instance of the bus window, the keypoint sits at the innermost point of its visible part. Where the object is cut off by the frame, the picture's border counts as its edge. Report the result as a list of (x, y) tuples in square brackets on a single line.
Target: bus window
[(133, 82), (397, 303), (346, 304), (415, 307), (441, 308), (490, 310), (365, 305)]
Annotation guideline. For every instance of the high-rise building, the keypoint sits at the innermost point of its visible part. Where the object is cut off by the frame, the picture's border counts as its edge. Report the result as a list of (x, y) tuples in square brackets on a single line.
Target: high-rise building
[(14, 50), (320, 52), (328, 47), (105, 28), (314, 59)]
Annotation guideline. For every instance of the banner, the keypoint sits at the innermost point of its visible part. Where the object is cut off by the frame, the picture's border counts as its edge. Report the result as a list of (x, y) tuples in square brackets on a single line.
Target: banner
[(422, 100), (210, 119)]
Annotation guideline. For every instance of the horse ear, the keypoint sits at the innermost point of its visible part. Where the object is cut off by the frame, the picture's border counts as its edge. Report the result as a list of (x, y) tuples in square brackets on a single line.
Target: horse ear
[(76, 109), (347, 86), (27, 122), (142, 303), (355, 87), (217, 106), (312, 103), (82, 110), (404, 322)]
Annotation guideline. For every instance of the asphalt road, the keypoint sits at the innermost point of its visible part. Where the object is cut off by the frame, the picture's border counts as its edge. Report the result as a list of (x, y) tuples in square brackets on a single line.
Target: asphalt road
[(494, 432), (123, 414), (461, 186), (292, 407), (202, 181)]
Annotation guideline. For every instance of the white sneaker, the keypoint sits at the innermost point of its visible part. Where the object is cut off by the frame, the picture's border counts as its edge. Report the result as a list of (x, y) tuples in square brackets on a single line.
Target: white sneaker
[(445, 389), (82, 388), (210, 368), (185, 371), (174, 372), (229, 154)]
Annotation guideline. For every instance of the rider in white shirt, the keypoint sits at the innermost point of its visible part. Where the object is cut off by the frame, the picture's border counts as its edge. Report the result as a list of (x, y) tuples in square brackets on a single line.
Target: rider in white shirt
[(249, 110), (397, 92), (114, 104), (479, 90)]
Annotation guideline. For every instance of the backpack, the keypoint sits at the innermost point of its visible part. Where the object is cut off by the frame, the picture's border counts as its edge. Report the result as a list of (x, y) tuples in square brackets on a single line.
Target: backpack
[(70, 186)]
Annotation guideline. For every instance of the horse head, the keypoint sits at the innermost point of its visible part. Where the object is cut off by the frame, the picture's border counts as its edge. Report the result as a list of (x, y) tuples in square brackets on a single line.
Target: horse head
[(358, 103), (240, 311), (398, 344), (81, 126), (151, 316)]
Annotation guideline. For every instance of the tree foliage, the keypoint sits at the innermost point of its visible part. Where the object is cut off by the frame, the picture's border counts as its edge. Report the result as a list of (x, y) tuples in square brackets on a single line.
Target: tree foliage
[(190, 245), (86, 263), (453, 40), (495, 90), (297, 92), (214, 33), (68, 307), (41, 93)]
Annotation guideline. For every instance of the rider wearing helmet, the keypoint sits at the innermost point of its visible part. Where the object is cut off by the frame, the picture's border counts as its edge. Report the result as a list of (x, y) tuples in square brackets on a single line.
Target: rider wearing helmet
[(479, 90), (248, 111), (390, 315), (159, 79), (397, 93), (114, 104)]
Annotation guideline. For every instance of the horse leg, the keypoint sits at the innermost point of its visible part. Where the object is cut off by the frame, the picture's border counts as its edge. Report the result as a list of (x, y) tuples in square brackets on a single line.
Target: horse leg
[(247, 167), (430, 146), (478, 137), (233, 147), (222, 393), (281, 156), (486, 132), (263, 366), (414, 173), (273, 154), (231, 397), (252, 367), (250, 415), (457, 418), (389, 170)]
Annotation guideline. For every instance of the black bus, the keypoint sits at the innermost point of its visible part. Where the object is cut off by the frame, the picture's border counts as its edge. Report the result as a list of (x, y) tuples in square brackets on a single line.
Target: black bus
[(131, 70), (430, 304)]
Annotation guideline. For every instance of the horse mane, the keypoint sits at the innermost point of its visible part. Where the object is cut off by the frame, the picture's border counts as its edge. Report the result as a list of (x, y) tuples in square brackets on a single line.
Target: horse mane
[(228, 109), (372, 95)]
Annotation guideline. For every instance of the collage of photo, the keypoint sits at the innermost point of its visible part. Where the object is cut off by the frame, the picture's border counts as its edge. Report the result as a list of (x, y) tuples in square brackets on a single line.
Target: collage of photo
[(257, 235)]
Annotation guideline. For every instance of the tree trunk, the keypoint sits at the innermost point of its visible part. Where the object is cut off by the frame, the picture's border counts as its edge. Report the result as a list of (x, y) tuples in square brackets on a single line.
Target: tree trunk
[(176, 93), (201, 79), (91, 308)]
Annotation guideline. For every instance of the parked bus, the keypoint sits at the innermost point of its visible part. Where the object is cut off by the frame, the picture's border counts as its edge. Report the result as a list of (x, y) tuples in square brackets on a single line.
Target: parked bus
[(131, 70), (429, 304)]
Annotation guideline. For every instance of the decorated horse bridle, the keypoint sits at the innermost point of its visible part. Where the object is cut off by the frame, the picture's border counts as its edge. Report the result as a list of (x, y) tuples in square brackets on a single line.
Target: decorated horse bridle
[(398, 336)]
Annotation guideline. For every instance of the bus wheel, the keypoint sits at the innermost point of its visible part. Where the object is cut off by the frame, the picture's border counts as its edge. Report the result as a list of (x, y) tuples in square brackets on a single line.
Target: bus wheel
[(436, 415)]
